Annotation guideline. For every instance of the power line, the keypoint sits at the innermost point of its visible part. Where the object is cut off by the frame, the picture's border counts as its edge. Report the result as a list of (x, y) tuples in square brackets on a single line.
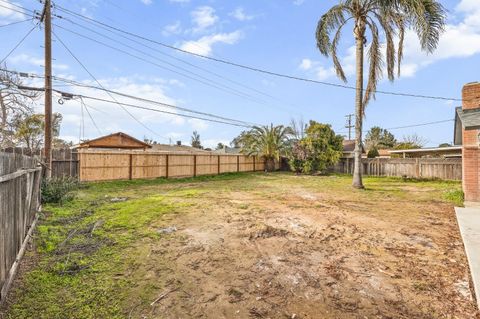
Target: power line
[(412, 125), (91, 118), (18, 44), (159, 111), (168, 55), (98, 82), (13, 23), (200, 78), (75, 83), (162, 53), (255, 69), (17, 6)]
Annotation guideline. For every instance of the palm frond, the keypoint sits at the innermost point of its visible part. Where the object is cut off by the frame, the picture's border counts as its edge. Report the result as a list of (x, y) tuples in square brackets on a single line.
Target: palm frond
[(328, 23), (376, 64)]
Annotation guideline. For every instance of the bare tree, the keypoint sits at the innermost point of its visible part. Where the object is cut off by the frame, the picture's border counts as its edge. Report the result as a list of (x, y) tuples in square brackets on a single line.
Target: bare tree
[(298, 128), (14, 102)]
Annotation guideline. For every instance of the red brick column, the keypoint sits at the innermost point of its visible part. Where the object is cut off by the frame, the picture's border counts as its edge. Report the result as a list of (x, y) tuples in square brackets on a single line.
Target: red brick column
[(471, 151)]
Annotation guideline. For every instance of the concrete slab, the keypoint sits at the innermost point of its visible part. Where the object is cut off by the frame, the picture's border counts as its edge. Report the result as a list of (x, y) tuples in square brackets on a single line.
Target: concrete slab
[(469, 222)]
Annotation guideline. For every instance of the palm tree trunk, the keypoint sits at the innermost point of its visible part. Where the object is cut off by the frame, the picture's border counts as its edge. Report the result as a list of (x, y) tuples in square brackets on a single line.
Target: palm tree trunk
[(270, 164), (357, 167)]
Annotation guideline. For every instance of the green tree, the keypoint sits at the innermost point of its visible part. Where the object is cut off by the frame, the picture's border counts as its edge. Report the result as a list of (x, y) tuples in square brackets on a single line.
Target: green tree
[(372, 153), (393, 17), (270, 142), (445, 145), (29, 129), (379, 138), (196, 140), (220, 146), (318, 150)]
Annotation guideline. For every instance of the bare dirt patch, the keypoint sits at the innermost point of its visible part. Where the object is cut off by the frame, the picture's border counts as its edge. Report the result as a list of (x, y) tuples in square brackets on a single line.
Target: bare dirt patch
[(312, 254)]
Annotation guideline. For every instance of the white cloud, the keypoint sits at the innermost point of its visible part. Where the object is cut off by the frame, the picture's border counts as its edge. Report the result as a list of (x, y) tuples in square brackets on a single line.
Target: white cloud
[(306, 64), (9, 12), (198, 125), (35, 61), (147, 2), (203, 18), (315, 67), (298, 2), (212, 143), (112, 118), (240, 15), (174, 28), (203, 46), (459, 40)]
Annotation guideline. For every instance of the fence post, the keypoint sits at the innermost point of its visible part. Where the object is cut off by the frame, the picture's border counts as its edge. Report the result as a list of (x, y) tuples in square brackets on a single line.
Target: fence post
[(166, 166), (254, 164), (417, 168), (130, 168), (238, 163), (218, 164), (194, 165)]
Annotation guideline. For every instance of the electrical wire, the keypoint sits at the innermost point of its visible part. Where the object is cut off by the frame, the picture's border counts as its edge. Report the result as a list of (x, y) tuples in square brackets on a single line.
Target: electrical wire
[(235, 64), (98, 82), (170, 56), (18, 44), (90, 116), (156, 110), (78, 84), (409, 126), (200, 78), (13, 23), (251, 68)]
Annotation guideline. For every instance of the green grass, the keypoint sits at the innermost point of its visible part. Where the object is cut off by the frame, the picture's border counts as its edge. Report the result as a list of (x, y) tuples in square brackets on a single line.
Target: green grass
[(86, 247)]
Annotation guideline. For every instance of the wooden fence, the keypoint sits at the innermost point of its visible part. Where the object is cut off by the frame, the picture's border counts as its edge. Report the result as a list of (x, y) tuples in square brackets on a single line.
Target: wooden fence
[(64, 161), (117, 165), (434, 168), (20, 178)]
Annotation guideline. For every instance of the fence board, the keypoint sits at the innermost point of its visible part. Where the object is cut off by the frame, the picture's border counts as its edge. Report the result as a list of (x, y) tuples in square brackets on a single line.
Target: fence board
[(19, 202), (101, 165), (430, 168)]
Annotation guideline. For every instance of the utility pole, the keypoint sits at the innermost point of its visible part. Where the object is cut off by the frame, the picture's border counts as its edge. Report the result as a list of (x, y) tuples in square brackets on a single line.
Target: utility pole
[(47, 19), (349, 125)]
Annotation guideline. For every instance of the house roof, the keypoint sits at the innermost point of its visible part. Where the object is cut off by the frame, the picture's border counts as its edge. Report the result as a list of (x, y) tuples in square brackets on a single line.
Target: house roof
[(348, 145), (177, 149), (115, 140), (466, 119), (228, 150), (430, 150)]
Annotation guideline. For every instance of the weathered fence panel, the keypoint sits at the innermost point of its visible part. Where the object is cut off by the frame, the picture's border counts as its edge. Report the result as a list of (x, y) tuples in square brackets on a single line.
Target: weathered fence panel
[(117, 165), (432, 168), (64, 161), (20, 179)]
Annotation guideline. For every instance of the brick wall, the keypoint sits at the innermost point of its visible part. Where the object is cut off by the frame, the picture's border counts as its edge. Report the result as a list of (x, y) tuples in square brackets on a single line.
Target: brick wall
[(471, 151)]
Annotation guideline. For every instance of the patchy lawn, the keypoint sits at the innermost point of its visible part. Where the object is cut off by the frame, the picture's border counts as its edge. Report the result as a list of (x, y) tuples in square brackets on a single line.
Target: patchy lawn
[(249, 246)]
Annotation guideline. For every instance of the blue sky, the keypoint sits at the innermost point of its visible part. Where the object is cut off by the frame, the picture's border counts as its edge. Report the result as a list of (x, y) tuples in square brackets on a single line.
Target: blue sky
[(269, 34)]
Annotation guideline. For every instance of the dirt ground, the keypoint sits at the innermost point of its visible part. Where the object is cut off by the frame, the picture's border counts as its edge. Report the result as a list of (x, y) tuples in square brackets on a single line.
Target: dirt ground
[(283, 246)]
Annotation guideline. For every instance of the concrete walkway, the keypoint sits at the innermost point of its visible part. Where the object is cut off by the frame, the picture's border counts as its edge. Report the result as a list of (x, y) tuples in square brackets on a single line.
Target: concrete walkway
[(469, 223)]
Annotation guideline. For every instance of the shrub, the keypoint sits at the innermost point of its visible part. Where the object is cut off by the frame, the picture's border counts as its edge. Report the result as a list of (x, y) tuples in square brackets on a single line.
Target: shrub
[(318, 150), (58, 190), (373, 153)]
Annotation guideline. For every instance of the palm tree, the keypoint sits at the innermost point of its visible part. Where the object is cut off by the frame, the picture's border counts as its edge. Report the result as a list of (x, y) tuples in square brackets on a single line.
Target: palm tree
[(394, 17), (270, 142), (196, 140)]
